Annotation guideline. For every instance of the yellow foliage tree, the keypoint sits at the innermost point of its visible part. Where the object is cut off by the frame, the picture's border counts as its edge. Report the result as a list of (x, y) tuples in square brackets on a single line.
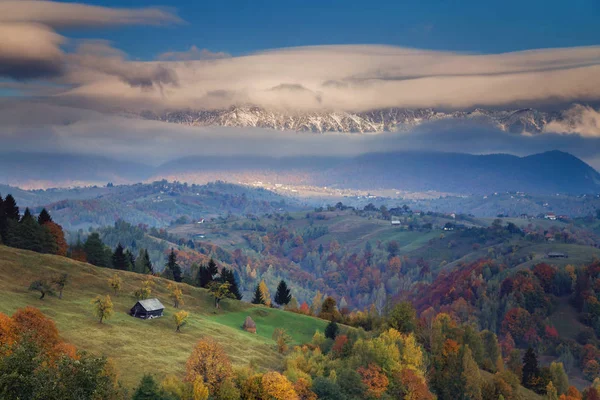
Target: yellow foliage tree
[(278, 387), (180, 319), (264, 291), (145, 291), (199, 390), (175, 294), (282, 338), (209, 362), (103, 307), (115, 283)]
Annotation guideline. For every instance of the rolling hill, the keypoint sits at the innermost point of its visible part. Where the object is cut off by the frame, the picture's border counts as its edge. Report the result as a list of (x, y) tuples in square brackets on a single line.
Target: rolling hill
[(135, 345)]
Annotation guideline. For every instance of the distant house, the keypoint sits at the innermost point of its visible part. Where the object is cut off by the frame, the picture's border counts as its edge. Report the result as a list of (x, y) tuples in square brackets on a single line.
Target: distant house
[(550, 216), (395, 222), (147, 309), (554, 254)]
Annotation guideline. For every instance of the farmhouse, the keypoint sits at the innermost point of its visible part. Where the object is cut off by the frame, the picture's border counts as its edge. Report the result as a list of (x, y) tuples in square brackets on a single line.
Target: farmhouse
[(550, 216), (147, 309)]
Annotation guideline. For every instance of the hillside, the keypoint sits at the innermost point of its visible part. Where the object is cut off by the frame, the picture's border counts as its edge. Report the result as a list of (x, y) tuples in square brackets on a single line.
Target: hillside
[(546, 173), (135, 345)]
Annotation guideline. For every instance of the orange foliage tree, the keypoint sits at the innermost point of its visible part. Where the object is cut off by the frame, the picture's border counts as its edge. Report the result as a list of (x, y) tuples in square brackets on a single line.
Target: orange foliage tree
[(31, 323), (59, 237), (374, 379), (209, 362)]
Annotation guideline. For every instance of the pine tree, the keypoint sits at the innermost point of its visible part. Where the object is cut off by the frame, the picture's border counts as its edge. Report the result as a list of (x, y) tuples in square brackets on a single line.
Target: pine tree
[(119, 259), (29, 235), (148, 268), (10, 208), (531, 371), (44, 217), (94, 251), (227, 276), (332, 329), (130, 260), (283, 294), (26, 215), (212, 267), (173, 267), (147, 390), (204, 277), (258, 298), (3, 221)]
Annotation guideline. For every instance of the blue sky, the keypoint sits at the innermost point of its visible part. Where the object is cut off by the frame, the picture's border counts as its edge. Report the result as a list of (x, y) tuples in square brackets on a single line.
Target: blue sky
[(240, 27)]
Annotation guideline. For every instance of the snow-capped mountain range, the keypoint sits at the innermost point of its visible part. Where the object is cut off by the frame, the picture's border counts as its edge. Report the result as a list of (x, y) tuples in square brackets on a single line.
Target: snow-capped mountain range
[(383, 120)]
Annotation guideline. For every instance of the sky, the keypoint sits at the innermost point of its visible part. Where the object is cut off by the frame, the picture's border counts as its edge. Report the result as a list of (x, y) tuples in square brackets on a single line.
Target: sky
[(240, 27), (75, 76)]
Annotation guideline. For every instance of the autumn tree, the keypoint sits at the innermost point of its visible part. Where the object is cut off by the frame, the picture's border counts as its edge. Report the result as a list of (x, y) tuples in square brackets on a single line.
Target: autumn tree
[(264, 292), (559, 377), (278, 387), (220, 291), (329, 310), (103, 307), (60, 281), (471, 375), (175, 294), (115, 283), (374, 379), (31, 323), (208, 362), (42, 286), (145, 290), (403, 317), (281, 337), (283, 295), (180, 319), (57, 233)]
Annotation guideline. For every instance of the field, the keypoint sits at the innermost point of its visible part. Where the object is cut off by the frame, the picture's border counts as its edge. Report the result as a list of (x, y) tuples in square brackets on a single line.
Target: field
[(135, 345)]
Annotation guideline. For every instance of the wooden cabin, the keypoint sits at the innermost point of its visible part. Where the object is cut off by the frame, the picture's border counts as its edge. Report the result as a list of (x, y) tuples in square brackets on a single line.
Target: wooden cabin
[(147, 309)]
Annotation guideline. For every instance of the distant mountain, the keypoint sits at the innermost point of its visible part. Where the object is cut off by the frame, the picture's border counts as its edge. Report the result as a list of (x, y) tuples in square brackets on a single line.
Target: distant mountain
[(48, 170), (383, 120), (551, 172)]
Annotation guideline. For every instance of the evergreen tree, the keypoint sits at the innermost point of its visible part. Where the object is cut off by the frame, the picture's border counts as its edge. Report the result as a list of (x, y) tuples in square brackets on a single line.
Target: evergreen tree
[(332, 330), (258, 297), (283, 294), (44, 217), (212, 267), (227, 276), (204, 277), (26, 215), (147, 390), (119, 259), (95, 251), (531, 371), (3, 221), (130, 260), (173, 267), (148, 268), (10, 208), (29, 235)]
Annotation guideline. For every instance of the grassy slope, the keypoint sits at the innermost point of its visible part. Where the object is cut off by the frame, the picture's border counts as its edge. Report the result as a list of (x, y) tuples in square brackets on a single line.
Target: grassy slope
[(138, 346)]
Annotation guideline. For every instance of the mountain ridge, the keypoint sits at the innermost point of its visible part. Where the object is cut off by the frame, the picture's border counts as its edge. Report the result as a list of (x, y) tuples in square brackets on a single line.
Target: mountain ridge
[(374, 121)]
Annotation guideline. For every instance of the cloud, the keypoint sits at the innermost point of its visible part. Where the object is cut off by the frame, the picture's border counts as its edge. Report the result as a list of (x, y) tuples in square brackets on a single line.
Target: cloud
[(68, 15), (30, 51), (99, 56), (194, 53), (62, 129), (31, 48), (579, 119), (361, 78)]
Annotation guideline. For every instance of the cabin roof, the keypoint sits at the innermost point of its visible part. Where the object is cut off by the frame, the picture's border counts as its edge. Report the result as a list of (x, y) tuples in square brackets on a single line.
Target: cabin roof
[(151, 304)]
